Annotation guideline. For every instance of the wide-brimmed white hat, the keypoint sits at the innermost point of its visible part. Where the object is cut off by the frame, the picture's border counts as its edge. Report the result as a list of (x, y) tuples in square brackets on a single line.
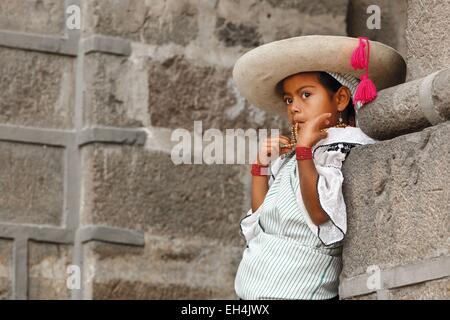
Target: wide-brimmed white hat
[(258, 72)]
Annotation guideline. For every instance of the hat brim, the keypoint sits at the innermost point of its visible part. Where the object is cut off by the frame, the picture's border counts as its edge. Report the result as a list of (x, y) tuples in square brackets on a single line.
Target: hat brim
[(258, 71)]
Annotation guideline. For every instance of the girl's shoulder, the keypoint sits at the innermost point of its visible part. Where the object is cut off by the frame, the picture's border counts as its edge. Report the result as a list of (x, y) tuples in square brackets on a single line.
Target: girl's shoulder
[(333, 149), (348, 135)]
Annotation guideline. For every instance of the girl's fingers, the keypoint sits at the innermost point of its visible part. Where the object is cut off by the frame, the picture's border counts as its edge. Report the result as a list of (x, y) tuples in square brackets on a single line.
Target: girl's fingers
[(275, 149), (323, 120), (281, 139), (278, 139), (270, 140), (284, 140), (272, 146), (285, 150)]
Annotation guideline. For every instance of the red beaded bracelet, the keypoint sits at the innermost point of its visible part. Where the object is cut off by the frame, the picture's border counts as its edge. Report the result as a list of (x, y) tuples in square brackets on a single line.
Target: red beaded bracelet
[(303, 153), (259, 170)]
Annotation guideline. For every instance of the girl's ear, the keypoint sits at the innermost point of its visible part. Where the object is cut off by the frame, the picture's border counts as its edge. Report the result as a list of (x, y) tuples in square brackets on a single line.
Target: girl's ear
[(342, 96)]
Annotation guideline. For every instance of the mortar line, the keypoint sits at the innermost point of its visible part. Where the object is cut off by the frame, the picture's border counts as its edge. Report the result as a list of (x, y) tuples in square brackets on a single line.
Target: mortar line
[(33, 135), (37, 42), (73, 163), (20, 277), (399, 276)]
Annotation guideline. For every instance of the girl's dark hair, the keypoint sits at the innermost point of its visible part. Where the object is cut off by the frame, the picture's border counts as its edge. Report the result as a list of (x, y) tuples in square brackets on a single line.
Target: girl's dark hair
[(332, 85)]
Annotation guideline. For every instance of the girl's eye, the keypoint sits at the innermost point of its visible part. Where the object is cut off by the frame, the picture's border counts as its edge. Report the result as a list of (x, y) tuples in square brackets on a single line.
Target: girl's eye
[(306, 94), (288, 100)]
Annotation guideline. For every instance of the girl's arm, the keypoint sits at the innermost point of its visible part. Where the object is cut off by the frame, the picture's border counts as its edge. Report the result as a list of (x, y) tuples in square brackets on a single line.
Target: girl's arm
[(309, 134), (308, 181), (260, 184)]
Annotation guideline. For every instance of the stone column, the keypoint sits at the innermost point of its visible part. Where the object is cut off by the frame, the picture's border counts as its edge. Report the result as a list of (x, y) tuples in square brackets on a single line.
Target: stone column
[(408, 107), (396, 190)]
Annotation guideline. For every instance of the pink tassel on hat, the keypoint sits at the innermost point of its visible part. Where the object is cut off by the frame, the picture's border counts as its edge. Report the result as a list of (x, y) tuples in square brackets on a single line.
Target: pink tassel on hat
[(359, 59), (366, 90)]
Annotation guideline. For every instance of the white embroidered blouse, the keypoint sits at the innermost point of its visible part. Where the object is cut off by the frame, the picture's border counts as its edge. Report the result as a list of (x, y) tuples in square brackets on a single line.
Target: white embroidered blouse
[(328, 156)]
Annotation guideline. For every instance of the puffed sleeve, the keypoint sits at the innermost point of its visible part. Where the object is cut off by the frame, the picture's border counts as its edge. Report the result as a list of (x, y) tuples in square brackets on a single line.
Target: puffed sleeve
[(249, 224), (328, 160)]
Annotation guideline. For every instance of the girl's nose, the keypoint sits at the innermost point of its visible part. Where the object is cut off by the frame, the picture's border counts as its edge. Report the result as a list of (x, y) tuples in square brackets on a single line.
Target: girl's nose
[(295, 108)]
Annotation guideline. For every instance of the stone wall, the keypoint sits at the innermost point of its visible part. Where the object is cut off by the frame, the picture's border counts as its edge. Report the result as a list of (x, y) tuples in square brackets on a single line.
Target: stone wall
[(397, 189), (86, 118)]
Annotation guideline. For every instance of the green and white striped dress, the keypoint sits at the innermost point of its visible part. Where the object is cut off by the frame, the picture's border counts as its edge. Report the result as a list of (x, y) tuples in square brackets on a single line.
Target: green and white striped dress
[(287, 256)]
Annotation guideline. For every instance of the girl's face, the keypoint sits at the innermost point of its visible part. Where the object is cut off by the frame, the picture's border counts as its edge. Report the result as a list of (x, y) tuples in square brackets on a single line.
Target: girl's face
[(306, 96)]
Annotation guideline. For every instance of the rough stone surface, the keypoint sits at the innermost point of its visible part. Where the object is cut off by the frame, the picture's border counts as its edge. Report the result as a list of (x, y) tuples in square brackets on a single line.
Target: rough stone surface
[(315, 8), (427, 47), (118, 91), (6, 269), (399, 110), (248, 24), (181, 88), (231, 34), (397, 199), (395, 112), (31, 180), (48, 270), (155, 22), (35, 16), (132, 188), (166, 268), (138, 91), (430, 290), (37, 89), (392, 22), (441, 94), (181, 93), (237, 23)]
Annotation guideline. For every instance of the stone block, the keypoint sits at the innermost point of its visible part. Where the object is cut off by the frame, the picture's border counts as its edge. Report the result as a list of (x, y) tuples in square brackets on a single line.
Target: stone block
[(208, 22), (181, 92), (32, 183), (172, 93), (36, 89), (430, 290), (397, 198), (426, 40), (47, 275), (6, 269), (34, 16), (247, 24), (154, 22), (134, 188), (408, 107), (395, 112), (166, 268), (118, 94)]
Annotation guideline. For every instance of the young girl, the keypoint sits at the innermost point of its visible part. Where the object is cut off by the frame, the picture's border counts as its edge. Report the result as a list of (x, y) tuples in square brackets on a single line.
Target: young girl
[(295, 227)]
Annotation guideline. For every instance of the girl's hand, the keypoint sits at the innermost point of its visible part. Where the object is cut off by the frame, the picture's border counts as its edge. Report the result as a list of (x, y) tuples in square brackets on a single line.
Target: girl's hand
[(308, 133), (270, 147)]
